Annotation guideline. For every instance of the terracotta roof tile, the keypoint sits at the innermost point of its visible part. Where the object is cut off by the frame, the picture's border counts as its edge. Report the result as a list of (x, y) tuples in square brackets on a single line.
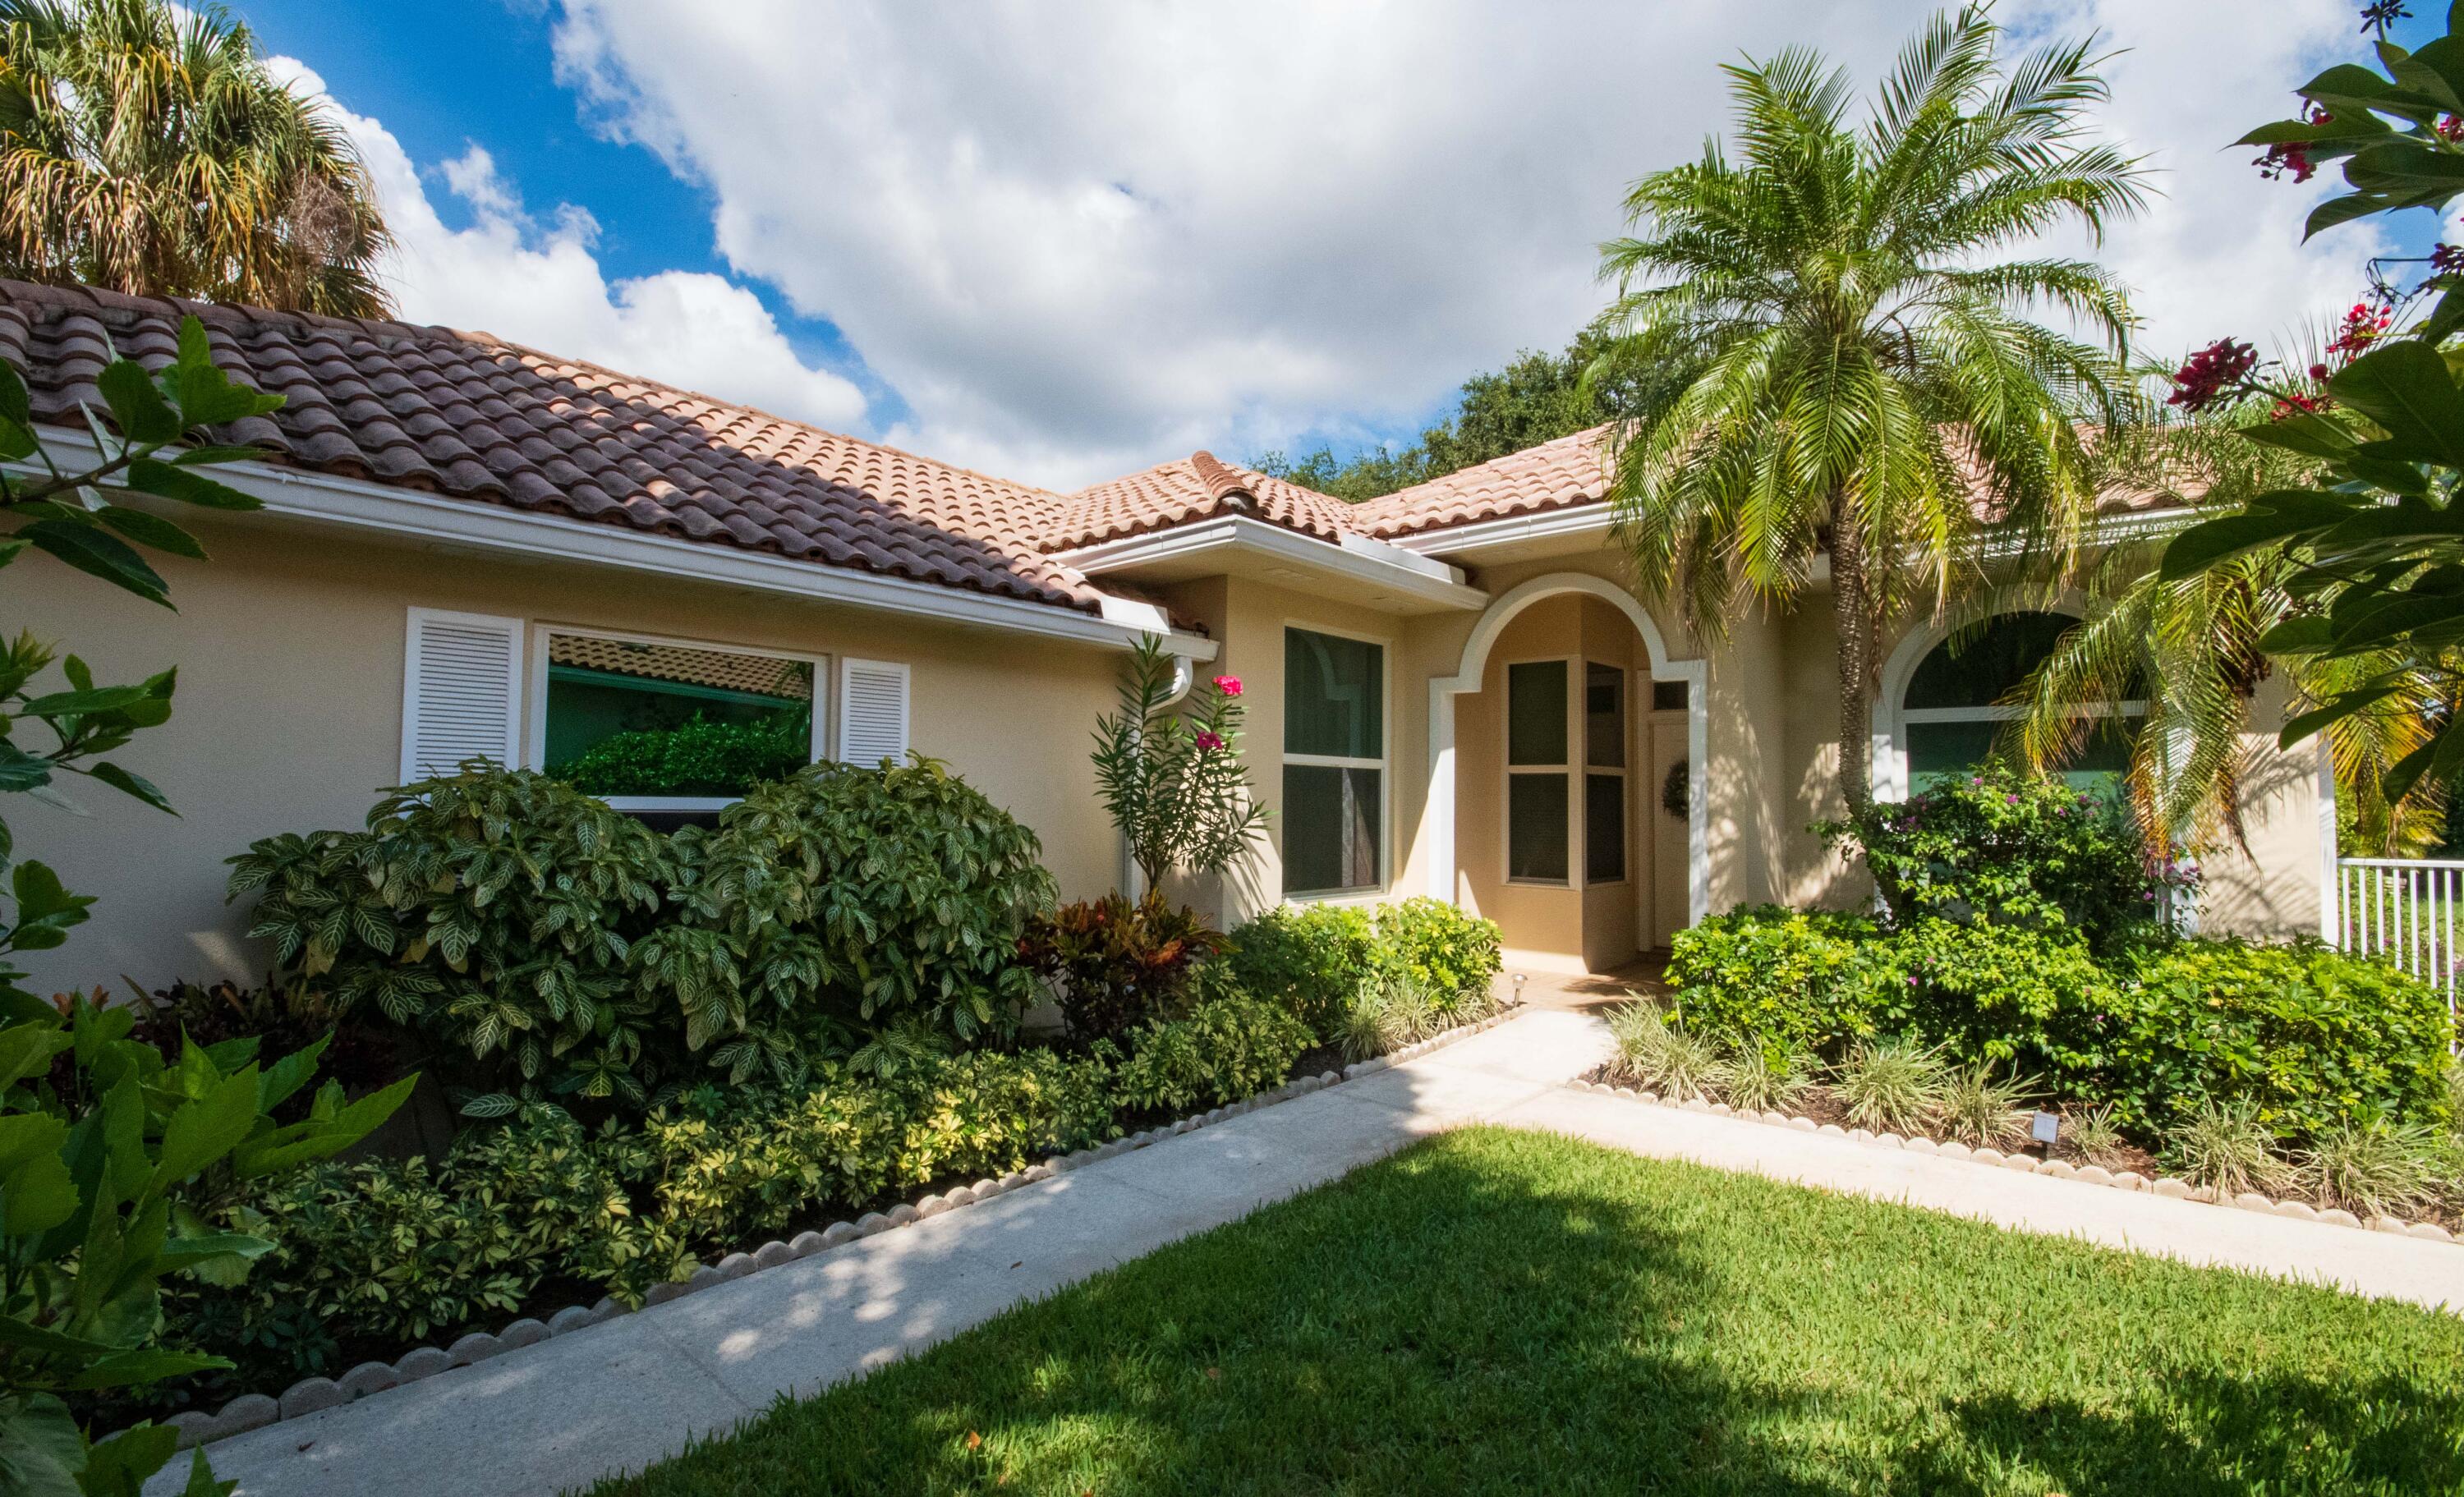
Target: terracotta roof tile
[(1553, 475), (1200, 486), (475, 417)]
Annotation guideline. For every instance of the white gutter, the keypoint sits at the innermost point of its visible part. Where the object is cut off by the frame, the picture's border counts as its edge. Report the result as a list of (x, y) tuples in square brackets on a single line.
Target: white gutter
[(1356, 559), (432, 518)]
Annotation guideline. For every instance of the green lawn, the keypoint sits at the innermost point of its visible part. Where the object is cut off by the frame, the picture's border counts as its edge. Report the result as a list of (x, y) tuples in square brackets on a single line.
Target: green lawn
[(1509, 1312)]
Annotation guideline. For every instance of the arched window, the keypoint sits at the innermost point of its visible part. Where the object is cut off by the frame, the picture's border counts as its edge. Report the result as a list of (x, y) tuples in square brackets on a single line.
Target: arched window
[(1952, 711)]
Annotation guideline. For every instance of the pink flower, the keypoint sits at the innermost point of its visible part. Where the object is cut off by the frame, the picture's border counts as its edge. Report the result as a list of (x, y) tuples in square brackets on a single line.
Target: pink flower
[(1209, 741), (1228, 685)]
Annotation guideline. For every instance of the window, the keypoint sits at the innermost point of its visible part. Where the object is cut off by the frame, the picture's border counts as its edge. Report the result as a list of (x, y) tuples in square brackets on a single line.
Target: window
[(1604, 774), (1952, 712), (1334, 763), (1538, 828), (658, 726), (1668, 696)]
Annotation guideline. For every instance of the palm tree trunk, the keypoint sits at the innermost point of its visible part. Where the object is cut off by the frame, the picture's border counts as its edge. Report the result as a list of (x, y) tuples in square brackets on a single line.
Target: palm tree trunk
[(1855, 622)]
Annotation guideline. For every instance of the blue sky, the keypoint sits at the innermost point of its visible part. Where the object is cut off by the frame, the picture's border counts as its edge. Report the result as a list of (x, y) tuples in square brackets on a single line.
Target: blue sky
[(1409, 198)]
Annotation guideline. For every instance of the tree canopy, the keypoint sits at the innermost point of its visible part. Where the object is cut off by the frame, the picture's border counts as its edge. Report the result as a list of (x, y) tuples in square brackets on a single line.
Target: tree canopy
[(148, 147)]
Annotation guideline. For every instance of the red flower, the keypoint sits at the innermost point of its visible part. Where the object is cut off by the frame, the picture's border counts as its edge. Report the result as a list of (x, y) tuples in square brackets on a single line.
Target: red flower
[(2290, 160), (2318, 371), (1228, 685), (2362, 325), (2295, 403), (1209, 741), (2447, 260), (2213, 371)]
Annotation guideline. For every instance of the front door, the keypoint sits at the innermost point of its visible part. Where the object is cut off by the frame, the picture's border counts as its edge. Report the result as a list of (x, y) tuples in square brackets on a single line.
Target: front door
[(1664, 893)]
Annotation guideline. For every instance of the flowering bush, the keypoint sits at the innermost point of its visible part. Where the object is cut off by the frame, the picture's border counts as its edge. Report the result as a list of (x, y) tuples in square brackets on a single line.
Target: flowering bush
[(2005, 848), (1172, 777)]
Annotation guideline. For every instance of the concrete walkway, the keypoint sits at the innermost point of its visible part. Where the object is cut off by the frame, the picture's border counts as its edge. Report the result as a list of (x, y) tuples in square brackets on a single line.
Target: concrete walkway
[(620, 1394)]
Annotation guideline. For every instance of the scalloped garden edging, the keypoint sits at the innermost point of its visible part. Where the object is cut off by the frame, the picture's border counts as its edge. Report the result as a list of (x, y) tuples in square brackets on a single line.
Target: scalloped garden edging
[(2028, 1164), (313, 1395)]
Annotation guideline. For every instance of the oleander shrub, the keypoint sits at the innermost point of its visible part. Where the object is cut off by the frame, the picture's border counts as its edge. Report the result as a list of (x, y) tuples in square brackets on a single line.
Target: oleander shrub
[(1451, 956), (1778, 979), (1113, 964), (2005, 848), (1311, 960), (1226, 1048)]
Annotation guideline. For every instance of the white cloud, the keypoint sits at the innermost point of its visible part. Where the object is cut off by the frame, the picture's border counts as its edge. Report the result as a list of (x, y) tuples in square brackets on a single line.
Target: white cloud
[(537, 281), (1079, 238)]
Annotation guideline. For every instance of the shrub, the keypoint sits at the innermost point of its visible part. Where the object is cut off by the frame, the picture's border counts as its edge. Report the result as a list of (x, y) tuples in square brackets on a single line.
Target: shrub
[(1311, 960), (1114, 963), (2035, 997), (2001, 846), (885, 895), (493, 910), (2094, 1135), (1984, 1112), (2308, 1036), (1373, 1024), (2155, 1027), (1779, 978), (696, 756), (1892, 1086), (553, 949), (1227, 1049), (280, 1017), (388, 1252), (2377, 1168), (1665, 1057), (2225, 1147), (1756, 1078), (1453, 956)]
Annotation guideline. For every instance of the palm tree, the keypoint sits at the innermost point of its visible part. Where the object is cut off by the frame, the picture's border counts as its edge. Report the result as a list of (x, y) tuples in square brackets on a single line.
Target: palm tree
[(1860, 374), (2189, 650), (149, 148)]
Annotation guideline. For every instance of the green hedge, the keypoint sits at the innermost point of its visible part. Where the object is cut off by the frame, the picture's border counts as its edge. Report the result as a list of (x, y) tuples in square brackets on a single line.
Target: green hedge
[(1316, 960), (2308, 1036), (383, 1254)]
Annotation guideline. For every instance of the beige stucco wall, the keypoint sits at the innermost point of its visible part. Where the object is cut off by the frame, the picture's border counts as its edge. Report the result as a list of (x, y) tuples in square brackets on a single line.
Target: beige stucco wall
[(289, 716)]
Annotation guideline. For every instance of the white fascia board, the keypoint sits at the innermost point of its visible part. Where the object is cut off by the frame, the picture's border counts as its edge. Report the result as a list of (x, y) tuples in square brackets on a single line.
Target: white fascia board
[(1356, 559), (1589, 519), (1576, 521), (437, 518)]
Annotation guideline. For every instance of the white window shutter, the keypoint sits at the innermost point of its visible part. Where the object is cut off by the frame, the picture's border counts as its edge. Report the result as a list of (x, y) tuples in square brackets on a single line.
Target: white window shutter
[(872, 712), (461, 692)]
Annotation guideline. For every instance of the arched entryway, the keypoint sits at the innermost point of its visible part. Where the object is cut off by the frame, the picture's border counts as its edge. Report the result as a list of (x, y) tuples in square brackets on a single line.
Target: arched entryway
[(1573, 770)]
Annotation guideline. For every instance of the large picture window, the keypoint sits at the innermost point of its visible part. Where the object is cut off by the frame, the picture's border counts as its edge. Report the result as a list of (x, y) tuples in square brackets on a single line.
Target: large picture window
[(1334, 763), (652, 725), (1954, 709)]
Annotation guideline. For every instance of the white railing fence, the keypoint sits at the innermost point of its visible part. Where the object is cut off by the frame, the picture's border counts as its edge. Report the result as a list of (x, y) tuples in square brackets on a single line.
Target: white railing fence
[(2403, 910)]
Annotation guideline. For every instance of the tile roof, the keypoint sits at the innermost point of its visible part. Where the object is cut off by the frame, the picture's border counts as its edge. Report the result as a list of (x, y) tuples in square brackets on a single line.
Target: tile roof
[(1553, 475), (1200, 486), (475, 417)]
